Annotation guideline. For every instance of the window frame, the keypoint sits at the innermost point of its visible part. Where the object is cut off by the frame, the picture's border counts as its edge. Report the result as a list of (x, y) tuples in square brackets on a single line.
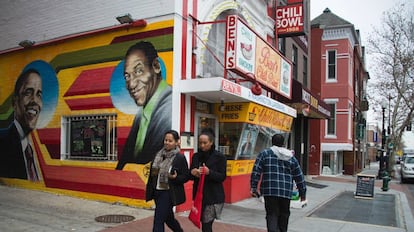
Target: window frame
[(109, 143)]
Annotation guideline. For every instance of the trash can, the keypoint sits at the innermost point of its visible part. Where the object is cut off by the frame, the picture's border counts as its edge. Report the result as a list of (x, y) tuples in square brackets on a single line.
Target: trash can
[(385, 180)]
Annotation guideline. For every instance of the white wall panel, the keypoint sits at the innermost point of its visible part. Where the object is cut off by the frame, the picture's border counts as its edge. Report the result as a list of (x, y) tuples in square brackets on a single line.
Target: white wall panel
[(43, 20)]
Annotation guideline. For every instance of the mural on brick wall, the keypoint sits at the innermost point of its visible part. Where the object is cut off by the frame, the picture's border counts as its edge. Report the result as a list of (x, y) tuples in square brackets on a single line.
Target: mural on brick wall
[(76, 103)]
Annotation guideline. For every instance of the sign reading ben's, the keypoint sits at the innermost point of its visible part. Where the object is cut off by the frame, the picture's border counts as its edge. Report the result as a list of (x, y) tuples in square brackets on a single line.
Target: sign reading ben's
[(247, 53)]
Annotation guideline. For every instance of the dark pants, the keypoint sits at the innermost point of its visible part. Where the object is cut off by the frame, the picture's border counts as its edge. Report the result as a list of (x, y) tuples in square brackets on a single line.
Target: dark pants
[(207, 227), (164, 213), (277, 213)]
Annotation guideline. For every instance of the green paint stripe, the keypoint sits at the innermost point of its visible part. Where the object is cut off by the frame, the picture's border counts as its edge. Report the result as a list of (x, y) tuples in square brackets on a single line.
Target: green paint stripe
[(107, 53), (6, 109), (6, 115)]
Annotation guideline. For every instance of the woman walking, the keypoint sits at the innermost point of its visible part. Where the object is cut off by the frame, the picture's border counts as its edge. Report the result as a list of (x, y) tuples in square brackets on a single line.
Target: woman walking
[(213, 164), (168, 173)]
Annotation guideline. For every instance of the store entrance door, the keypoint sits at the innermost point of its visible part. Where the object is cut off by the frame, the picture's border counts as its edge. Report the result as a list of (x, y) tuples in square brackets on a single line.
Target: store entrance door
[(204, 121)]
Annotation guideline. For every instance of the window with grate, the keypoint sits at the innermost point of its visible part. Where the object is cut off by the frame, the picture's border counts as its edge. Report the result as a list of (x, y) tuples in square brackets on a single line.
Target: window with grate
[(89, 137)]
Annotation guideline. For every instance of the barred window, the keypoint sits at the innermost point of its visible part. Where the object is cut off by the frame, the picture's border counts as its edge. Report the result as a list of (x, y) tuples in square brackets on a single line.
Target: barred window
[(89, 137)]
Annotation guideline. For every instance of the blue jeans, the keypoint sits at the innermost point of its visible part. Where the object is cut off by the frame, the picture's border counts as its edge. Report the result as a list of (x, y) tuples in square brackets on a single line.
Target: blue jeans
[(164, 213), (277, 213)]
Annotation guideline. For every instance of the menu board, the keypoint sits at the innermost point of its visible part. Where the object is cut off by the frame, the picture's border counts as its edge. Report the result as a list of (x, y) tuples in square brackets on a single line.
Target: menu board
[(365, 186)]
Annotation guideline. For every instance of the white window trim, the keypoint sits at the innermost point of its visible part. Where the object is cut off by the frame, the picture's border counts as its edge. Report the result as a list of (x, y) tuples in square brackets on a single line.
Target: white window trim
[(111, 141)]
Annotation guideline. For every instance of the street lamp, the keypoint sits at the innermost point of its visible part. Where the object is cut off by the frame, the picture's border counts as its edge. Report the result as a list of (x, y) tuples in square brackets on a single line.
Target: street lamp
[(381, 170)]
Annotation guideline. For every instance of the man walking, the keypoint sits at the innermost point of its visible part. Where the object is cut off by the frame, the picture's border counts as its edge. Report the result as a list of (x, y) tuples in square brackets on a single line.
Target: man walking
[(277, 168)]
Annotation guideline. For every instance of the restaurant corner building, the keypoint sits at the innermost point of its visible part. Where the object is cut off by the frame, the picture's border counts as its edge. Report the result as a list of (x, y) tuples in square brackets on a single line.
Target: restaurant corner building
[(219, 69)]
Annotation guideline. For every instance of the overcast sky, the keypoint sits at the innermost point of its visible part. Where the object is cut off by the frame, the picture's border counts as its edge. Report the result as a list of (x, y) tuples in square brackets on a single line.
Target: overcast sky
[(364, 14)]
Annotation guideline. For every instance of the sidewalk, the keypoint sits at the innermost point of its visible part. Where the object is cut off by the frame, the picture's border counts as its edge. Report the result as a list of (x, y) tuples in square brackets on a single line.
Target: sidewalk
[(29, 210), (249, 215)]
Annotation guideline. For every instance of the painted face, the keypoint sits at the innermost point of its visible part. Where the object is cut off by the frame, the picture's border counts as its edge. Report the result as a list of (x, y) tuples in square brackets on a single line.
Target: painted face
[(170, 143), (141, 77), (28, 103), (204, 143)]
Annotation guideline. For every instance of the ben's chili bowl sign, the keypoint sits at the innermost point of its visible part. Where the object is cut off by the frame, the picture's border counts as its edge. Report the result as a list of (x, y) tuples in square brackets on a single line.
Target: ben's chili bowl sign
[(248, 53), (289, 19)]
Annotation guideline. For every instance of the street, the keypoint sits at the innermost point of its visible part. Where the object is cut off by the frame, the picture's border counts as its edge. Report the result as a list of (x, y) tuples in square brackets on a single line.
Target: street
[(407, 188)]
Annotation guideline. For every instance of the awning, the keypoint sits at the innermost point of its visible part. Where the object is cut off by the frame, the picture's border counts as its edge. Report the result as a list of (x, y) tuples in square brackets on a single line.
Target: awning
[(217, 89), (307, 103)]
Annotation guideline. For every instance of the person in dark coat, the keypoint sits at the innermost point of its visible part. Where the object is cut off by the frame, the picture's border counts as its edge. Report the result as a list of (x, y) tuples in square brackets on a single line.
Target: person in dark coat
[(213, 163), (168, 173)]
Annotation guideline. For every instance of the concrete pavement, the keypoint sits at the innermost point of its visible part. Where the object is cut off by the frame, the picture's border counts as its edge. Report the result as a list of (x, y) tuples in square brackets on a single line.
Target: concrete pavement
[(39, 211)]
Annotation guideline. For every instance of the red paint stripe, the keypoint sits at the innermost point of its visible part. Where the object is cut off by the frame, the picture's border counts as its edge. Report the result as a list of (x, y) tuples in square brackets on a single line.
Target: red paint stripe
[(92, 180), (53, 150), (184, 41), (90, 103), (182, 112), (133, 193), (91, 81), (49, 135), (143, 35)]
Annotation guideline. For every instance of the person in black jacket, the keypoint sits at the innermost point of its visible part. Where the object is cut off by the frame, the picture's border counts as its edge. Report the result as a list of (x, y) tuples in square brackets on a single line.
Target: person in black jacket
[(213, 164), (168, 173)]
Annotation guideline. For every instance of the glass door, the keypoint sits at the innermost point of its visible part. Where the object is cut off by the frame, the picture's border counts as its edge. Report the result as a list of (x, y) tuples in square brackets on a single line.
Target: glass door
[(205, 121)]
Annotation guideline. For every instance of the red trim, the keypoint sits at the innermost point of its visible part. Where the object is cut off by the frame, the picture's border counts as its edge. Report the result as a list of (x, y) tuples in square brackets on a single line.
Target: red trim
[(91, 81), (92, 180), (90, 103), (49, 135), (143, 35), (184, 41), (182, 112), (136, 23)]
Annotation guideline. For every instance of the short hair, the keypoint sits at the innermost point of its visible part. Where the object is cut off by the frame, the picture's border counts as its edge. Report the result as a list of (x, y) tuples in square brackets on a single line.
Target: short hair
[(148, 49), (278, 140), (209, 132), (22, 78), (174, 133)]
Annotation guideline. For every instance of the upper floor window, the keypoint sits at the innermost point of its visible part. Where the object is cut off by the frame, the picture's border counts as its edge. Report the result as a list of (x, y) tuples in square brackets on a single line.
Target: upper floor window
[(89, 137), (282, 45), (305, 71), (331, 122), (295, 61), (332, 65)]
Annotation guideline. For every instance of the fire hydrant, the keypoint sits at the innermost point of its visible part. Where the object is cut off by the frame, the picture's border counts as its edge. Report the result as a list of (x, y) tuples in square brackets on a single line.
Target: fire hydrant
[(385, 180)]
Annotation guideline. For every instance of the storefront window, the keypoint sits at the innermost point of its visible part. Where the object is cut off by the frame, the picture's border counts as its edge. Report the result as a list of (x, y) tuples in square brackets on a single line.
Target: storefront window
[(243, 141)]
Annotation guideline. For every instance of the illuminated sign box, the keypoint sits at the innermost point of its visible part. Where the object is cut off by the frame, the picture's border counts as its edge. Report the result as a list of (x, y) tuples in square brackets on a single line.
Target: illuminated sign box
[(247, 53)]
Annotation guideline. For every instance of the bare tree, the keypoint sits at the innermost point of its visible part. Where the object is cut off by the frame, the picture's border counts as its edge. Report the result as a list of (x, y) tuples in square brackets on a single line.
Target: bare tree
[(392, 47)]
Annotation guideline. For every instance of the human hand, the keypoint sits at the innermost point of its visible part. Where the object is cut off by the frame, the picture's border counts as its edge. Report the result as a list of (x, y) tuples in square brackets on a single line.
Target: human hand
[(254, 194), (172, 175), (196, 172), (205, 169)]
